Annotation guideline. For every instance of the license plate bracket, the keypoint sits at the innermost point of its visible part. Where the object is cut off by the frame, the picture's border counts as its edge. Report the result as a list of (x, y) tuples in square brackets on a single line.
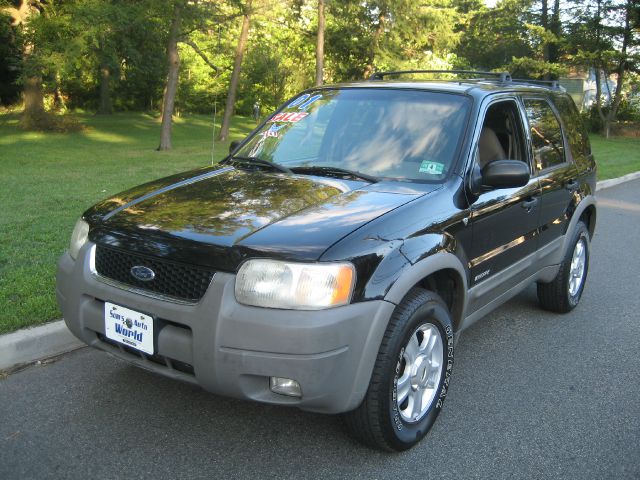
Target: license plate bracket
[(129, 327)]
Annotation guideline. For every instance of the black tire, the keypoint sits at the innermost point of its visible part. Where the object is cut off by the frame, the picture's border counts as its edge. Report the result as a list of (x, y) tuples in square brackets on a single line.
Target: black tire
[(556, 296), (377, 422)]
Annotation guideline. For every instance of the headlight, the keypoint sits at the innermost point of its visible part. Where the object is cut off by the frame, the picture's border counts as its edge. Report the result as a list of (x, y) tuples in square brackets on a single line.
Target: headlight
[(276, 284), (78, 238)]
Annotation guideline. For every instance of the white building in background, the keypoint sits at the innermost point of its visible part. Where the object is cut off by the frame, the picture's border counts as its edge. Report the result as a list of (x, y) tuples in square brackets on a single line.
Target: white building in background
[(582, 87)]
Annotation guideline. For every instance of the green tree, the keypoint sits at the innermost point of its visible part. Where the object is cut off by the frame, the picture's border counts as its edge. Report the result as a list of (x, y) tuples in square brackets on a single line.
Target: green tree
[(24, 17), (280, 61), (363, 37), (11, 53), (320, 44), (171, 87), (235, 74), (494, 36), (186, 18), (604, 36), (103, 34)]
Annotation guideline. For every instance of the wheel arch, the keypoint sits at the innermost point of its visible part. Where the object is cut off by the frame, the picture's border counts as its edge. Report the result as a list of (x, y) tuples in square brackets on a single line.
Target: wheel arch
[(588, 216), (442, 273), (585, 211)]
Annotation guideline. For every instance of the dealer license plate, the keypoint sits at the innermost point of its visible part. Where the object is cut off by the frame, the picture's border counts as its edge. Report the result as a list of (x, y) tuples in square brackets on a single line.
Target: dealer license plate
[(128, 327)]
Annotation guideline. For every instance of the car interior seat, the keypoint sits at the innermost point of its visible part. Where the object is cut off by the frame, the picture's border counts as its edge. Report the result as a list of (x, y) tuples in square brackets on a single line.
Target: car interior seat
[(489, 147)]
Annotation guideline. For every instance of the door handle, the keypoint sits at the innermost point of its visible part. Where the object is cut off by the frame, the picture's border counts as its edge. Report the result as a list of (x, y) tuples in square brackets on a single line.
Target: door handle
[(571, 185), (529, 204)]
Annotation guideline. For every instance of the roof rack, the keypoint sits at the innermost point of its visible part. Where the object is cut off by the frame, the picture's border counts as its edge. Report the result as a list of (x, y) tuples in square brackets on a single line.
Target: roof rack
[(554, 84), (503, 76)]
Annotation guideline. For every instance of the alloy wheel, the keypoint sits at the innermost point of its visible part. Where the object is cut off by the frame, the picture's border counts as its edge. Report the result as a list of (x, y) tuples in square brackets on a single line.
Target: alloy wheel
[(420, 373)]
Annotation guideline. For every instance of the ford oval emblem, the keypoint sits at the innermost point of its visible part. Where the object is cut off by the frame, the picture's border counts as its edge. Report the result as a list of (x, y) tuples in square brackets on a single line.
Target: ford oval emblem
[(142, 273)]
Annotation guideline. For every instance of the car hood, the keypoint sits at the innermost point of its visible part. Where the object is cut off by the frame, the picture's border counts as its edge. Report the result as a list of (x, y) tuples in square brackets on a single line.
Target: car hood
[(220, 216)]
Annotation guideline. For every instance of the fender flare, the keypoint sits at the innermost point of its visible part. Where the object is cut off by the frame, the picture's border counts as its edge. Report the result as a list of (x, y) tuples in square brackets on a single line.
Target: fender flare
[(589, 200), (416, 272)]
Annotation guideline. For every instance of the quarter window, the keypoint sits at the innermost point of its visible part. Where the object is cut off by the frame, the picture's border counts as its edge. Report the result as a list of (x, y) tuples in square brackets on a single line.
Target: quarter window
[(546, 134), (573, 125)]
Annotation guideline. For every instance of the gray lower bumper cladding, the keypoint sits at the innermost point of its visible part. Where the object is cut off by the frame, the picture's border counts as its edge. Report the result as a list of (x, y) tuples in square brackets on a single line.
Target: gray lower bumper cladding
[(233, 349)]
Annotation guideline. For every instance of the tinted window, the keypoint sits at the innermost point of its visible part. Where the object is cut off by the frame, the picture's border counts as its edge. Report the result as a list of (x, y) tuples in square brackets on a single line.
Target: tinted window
[(383, 132), (576, 133), (546, 134)]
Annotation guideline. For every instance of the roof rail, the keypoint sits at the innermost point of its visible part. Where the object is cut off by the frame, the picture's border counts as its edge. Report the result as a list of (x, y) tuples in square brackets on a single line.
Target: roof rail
[(553, 84), (503, 76)]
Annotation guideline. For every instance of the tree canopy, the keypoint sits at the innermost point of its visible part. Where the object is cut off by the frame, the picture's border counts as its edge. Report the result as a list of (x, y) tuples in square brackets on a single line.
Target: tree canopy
[(174, 56)]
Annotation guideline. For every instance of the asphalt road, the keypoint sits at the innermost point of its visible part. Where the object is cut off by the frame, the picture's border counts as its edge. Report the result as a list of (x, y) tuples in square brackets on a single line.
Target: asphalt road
[(534, 395)]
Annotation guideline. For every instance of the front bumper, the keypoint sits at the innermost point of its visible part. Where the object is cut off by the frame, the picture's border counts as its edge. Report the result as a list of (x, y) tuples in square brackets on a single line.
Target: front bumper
[(233, 349)]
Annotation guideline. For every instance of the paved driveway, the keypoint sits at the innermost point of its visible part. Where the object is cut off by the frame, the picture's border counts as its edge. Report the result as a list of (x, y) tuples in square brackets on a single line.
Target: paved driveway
[(534, 395)]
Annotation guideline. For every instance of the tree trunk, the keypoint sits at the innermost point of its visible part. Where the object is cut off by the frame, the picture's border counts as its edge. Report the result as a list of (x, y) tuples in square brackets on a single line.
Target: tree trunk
[(599, 95), (320, 44), (33, 97), (621, 70), (105, 107), (171, 87), (556, 28), (614, 102), (368, 71), (58, 96), (235, 75), (544, 21), (596, 67)]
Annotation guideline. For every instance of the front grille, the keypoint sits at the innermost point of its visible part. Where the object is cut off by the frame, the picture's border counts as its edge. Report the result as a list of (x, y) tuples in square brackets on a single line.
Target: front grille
[(177, 280)]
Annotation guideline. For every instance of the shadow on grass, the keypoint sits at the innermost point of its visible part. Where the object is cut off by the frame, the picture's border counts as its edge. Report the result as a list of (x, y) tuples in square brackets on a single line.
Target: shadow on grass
[(124, 128)]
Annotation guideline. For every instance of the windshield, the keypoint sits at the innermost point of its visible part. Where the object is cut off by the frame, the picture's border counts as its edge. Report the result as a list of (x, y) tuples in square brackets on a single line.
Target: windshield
[(404, 134)]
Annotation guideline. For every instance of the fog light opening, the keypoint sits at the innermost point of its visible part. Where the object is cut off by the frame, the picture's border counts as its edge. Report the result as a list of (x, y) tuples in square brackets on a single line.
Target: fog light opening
[(285, 386)]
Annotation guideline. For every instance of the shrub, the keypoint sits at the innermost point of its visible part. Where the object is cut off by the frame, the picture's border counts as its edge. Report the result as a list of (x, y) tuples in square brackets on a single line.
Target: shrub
[(592, 120)]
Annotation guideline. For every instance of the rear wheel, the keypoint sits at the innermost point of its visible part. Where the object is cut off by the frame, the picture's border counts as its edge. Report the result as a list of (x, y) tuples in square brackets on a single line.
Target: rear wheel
[(410, 377), (563, 293)]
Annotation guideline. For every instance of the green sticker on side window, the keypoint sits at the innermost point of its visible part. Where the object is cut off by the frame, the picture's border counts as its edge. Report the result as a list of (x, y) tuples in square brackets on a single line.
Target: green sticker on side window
[(432, 168)]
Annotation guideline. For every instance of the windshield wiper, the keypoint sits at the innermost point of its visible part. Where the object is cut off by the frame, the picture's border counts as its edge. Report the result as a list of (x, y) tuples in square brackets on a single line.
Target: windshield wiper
[(335, 171), (262, 163)]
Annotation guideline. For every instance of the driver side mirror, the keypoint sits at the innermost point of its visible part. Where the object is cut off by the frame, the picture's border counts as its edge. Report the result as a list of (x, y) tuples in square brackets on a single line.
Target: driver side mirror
[(505, 174)]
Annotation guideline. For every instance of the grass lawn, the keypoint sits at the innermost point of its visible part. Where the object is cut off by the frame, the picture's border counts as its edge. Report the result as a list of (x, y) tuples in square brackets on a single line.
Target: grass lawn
[(49, 179), (615, 157)]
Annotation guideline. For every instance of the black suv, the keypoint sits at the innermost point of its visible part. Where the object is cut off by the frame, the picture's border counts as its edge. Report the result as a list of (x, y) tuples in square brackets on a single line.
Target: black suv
[(332, 258)]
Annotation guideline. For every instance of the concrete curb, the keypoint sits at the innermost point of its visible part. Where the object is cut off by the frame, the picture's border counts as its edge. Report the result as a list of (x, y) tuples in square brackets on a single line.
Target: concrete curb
[(612, 182), (53, 339), (38, 343)]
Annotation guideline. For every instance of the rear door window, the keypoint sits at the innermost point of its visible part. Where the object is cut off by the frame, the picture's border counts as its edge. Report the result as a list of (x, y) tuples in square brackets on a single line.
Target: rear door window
[(546, 134)]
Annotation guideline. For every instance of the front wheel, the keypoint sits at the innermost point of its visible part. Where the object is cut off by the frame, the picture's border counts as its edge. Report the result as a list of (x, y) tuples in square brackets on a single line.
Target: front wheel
[(563, 293), (410, 377)]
